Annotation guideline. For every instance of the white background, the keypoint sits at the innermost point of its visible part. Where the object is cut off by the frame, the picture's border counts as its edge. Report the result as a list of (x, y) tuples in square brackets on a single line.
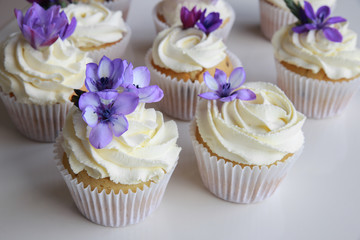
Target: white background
[(319, 199)]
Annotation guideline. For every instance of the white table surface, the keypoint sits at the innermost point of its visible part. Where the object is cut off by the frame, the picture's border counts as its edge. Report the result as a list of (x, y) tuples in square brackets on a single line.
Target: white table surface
[(319, 199)]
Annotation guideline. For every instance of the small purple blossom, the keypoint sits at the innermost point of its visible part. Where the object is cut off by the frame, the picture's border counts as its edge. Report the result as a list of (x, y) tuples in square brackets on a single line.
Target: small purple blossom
[(209, 23), (319, 21), (189, 18), (105, 113), (43, 27), (137, 80), (107, 76), (227, 89)]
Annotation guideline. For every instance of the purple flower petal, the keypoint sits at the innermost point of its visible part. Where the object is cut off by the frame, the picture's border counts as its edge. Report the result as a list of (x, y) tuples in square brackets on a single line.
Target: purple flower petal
[(100, 136), (228, 98), (332, 34), (89, 99), (189, 18), (141, 77), (237, 77), (334, 20), (118, 72), (91, 77), (300, 29), (309, 11), (106, 67), (245, 95), (210, 81), (150, 94), (201, 27), (220, 77), (209, 95), (119, 125), (125, 103), (128, 76), (89, 115), (322, 13), (68, 29), (107, 96)]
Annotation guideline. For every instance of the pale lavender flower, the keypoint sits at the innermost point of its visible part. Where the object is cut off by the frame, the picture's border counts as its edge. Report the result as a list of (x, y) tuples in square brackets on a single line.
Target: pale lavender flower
[(137, 80), (107, 76), (42, 27), (105, 113), (227, 89)]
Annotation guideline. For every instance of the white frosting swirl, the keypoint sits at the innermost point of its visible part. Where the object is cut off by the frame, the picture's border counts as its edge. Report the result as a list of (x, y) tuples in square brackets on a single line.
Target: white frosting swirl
[(315, 3), (45, 76), (96, 24), (314, 51), (187, 50), (258, 132), (143, 153), (170, 9)]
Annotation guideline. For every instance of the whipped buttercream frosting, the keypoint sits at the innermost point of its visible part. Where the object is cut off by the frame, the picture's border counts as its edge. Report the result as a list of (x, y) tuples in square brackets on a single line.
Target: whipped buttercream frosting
[(315, 3), (312, 50), (187, 50), (45, 76), (96, 24), (170, 9), (258, 132), (145, 152)]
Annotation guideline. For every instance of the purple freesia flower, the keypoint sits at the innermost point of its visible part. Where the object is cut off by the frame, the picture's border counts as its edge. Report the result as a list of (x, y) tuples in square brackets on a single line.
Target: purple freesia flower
[(42, 27), (227, 89), (319, 21), (137, 80), (106, 76), (209, 23), (105, 113), (189, 18)]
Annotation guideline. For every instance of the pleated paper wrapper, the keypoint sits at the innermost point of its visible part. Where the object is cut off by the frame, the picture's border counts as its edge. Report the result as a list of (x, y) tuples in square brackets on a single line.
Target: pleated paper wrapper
[(222, 32), (41, 123), (316, 98), (112, 210), (272, 18), (116, 50), (234, 183), (180, 97)]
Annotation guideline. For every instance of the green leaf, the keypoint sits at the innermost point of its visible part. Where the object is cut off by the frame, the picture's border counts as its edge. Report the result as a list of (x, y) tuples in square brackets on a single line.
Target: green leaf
[(294, 8)]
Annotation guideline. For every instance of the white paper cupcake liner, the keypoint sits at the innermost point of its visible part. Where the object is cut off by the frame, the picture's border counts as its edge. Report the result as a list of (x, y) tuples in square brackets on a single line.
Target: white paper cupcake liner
[(116, 5), (38, 122), (235, 183), (112, 210), (315, 98), (222, 32), (180, 97), (272, 18), (116, 50)]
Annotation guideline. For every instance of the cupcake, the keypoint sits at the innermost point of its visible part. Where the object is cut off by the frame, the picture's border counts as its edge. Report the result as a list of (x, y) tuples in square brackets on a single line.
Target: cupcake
[(274, 14), (245, 138), (179, 57), (167, 13), (38, 71), (115, 155), (99, 30), (113, 5), (317, 63)]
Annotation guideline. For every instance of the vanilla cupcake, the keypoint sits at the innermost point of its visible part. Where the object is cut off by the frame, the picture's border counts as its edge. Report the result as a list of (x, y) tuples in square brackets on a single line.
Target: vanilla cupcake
[(274, 14), (244, 149), (318, 69), (38, 73), (167, 13), (99, 31), (113, 152), (178, 59)]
